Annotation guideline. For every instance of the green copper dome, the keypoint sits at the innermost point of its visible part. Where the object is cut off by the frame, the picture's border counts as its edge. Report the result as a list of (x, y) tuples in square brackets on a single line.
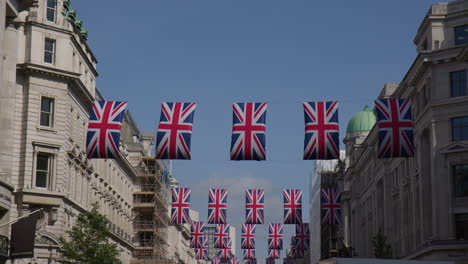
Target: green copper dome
[(362, 121)]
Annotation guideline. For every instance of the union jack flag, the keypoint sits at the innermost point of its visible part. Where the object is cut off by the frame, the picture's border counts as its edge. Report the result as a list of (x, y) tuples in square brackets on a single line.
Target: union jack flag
[(303, 236), (297, 252), (321, 131), (175, 131), (248, 131), (247, 236), (249, 254), (292, 206), (234, 260), (274, 254), (252, 261), (217, 204), (221, 235), (275, 236), (226, 253), (254, 206), (105, 123), (197, 234), (202, 252), (331, 206), (395, 128), (270, 261), (180, 205), (215, 260)]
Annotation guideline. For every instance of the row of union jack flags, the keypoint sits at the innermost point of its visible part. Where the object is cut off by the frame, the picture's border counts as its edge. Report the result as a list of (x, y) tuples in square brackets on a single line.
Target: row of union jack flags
[(254, 206), (321, 140)]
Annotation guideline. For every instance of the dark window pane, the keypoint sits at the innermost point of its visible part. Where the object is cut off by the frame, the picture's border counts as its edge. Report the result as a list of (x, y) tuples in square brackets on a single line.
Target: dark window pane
[(41, 179), (460, 128), (458, 83), (46, 104), (42, 162), (48, 57), (51, 3), (50, 14), (461, 226), (49, 45), (45, 119), (460, 173), (461, 35)]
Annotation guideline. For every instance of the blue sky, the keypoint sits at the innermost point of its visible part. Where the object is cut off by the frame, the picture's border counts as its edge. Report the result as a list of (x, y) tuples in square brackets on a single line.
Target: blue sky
[(216, 52)]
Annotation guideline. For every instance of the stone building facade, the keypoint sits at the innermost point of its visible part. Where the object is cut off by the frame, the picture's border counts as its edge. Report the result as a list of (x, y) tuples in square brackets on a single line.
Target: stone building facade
[(48, 84), (419, 203)]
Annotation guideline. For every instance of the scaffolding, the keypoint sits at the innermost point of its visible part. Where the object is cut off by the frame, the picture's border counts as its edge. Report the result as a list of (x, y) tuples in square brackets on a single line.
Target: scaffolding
[(150, 214)]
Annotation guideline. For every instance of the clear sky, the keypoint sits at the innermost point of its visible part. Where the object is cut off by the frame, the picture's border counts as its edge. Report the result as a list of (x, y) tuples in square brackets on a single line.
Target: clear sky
[(216, 52)]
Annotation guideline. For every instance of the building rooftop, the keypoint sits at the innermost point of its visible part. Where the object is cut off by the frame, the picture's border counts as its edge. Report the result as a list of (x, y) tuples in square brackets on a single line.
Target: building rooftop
[(362, 121)]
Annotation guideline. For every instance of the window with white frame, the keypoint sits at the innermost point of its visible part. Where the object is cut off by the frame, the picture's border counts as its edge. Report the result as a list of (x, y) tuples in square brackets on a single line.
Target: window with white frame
[(49, 50), (43, 170), (51, 10), (47, 112)]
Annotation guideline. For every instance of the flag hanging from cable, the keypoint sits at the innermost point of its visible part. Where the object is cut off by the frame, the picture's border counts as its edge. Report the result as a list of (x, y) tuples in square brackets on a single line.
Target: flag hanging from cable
[(175, 131), (217, 205), (221, 235), (321, 131), (292, 199), (180, 205), (105, 123), (275, 236), (197, 234), (249, 254), (248, 131), (248, 236), (331, 206), (254, 206), (395, 128)]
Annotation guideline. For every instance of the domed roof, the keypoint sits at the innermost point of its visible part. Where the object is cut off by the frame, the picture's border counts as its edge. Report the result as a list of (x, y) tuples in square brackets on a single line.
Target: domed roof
[(362, 121)]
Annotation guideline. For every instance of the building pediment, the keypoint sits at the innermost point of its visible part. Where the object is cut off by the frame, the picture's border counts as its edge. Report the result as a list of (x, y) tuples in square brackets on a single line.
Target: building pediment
[(455, 147)]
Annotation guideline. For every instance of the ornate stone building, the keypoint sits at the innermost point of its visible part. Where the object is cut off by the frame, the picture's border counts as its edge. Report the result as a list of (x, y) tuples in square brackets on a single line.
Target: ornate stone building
[(48, 84), (420, 203)]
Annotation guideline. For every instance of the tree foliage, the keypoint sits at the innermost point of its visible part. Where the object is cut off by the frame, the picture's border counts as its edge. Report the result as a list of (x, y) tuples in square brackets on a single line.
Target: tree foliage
[(381, 248), (88, 241)]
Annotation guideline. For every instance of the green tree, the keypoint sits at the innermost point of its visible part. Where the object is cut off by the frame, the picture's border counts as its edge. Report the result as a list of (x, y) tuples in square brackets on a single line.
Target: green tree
[(381, 248), (88, 241)]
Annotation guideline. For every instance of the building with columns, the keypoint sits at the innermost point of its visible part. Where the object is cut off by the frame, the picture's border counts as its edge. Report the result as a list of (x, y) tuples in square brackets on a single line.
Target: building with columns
[(419, 203)]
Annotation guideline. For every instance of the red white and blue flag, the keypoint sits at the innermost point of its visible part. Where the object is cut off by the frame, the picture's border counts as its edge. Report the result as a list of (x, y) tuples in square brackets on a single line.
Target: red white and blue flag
[(252, 261), (202, 252), (275, 236), (226, 253), (395, 128), (303, 236), (175, 131), (105, 123), (217, 205), (221, 235), (180, 205), (274, 254), (248, 131), (292, 206), (234, 260), (248, 236), (215, 260), (331, 206), (296, 252), (254, 206), (249, 254), (197, 234), (321, 131)]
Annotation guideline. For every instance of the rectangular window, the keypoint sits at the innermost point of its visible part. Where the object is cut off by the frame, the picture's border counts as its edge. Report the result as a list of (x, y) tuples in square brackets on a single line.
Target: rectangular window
[(43, 165), (51, 8), (461, 35), (458, 83), (49, 50), (460, 180), (461, 226), (460, 128), (47, 111)]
